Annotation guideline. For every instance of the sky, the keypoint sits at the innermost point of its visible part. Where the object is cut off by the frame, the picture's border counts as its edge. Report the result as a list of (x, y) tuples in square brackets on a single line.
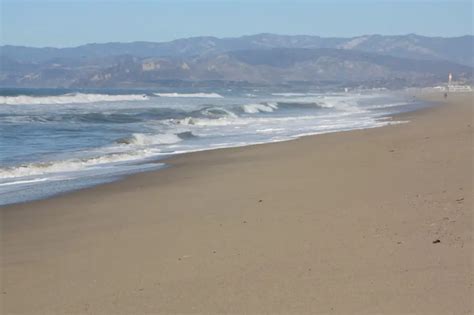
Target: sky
[(66, 23)]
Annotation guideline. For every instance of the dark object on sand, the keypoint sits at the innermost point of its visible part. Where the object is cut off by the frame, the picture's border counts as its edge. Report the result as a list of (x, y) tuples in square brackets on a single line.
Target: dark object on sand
[(445, 95), (436, 241)]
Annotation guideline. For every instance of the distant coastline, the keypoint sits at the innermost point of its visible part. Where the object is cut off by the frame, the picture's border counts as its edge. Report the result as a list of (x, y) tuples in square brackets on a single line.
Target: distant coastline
[(260, 60)]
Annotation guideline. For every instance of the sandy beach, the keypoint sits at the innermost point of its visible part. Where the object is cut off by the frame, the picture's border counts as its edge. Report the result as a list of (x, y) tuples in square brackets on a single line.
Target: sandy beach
[(376, 221)]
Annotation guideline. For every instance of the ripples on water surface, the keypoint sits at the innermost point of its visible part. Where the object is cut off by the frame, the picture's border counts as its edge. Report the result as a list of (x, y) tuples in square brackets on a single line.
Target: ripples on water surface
[(52, 141)]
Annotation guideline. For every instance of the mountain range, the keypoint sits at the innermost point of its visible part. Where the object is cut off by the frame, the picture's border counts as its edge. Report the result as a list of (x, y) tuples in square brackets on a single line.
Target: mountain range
[(262, 59)]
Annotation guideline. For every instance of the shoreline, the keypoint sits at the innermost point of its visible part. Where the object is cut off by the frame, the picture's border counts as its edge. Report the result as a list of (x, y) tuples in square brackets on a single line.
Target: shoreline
[(331, 223), (168, 161)]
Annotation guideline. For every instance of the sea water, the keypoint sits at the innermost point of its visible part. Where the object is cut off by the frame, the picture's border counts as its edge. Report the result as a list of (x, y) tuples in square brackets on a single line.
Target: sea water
[(56, 140)]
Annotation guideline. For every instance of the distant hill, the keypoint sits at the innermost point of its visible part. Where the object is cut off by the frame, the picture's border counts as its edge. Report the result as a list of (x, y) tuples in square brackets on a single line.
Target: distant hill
[(256, 59)]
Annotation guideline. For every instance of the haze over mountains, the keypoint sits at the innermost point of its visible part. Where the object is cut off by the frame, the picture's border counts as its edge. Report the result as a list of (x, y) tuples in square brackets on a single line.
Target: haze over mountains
[(263, 59)]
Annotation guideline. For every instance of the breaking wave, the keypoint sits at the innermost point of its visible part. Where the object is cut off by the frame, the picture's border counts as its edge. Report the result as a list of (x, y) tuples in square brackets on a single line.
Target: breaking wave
[(70, 98), (70, 165), (141, 139), (294, 94), (258, 108), (235, 121), (340, 103), (382, 106), (217, 112), (192, 121), (56, 148), (190, 95)]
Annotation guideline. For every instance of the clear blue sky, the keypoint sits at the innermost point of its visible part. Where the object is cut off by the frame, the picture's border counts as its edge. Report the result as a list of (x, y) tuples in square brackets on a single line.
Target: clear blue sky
[(66, 23)]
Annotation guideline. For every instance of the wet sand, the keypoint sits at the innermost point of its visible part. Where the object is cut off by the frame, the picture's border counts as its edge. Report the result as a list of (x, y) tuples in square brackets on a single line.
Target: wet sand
[(375, 221)]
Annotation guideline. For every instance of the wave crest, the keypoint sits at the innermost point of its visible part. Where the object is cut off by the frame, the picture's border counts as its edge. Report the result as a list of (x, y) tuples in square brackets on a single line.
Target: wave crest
[(71, 98), (70, 165), (258, 108), (141, 139), (217, 112), (190, 95)]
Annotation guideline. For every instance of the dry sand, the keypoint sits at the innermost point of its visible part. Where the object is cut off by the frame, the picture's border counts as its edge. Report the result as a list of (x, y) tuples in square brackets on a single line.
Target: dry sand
[(339, 223)]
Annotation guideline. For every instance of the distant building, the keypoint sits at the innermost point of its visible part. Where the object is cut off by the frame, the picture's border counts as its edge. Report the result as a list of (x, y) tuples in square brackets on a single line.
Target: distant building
[(454, 86)]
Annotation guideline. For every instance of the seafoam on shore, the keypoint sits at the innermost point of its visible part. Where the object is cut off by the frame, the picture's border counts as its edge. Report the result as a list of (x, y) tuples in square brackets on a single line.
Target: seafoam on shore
[(59, 142)]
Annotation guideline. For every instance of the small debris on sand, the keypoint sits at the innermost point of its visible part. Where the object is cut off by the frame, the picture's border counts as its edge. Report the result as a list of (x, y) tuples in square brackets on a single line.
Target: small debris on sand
[(436, 241)]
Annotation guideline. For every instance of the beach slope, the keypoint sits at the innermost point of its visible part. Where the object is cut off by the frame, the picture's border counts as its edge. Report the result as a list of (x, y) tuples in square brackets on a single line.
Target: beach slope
[(370, 221)]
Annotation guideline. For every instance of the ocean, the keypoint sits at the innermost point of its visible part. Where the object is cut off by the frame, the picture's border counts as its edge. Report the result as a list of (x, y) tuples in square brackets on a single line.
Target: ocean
[(57, 140)]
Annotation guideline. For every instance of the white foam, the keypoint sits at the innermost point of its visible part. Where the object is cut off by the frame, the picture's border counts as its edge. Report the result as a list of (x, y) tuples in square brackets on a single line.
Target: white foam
[(191, 121), (72, 98), (142, 139), (294, 94), (389, 105), (218, 112), (71, 165), (257, 108), (270, 130), (25, 181), (237, 121), (190, 95), (345, 103)]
